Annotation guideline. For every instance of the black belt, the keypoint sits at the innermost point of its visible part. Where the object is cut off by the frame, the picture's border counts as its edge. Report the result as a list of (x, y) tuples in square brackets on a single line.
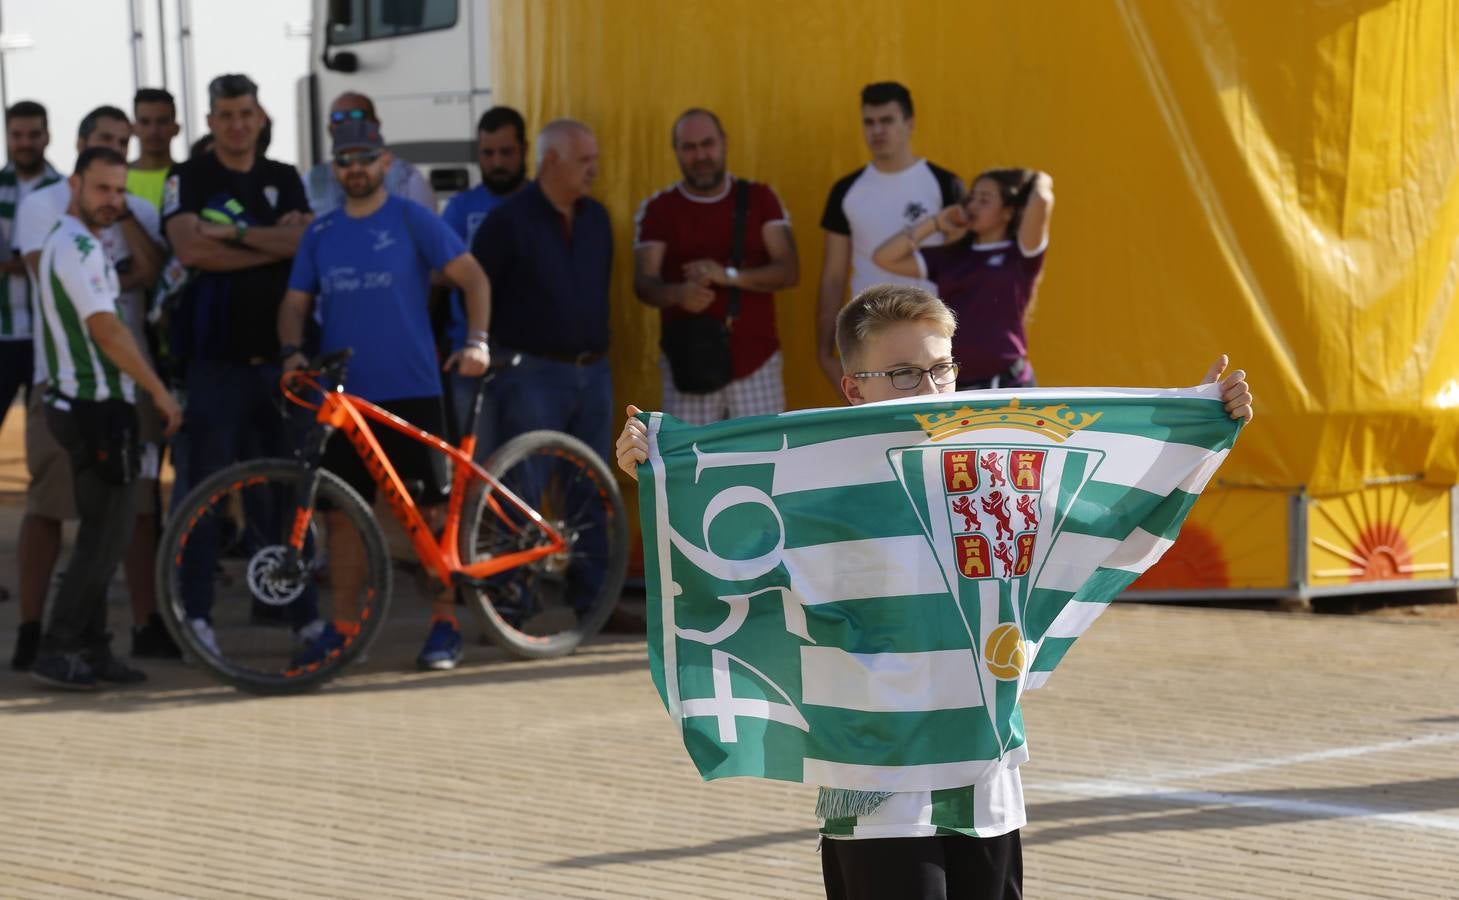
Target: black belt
[(585, 358), (1007, 378)]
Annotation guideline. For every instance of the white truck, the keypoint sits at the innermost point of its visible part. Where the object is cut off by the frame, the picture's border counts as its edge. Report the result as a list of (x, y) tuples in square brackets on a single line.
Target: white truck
[(427, 66)]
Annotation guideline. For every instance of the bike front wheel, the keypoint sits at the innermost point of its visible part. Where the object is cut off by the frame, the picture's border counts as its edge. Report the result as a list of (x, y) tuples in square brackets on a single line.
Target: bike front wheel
[(256, 615), (547, 607)]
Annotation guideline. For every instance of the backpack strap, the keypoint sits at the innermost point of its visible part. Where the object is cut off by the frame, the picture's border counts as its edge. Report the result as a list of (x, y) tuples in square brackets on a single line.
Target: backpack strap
[(737, 249)]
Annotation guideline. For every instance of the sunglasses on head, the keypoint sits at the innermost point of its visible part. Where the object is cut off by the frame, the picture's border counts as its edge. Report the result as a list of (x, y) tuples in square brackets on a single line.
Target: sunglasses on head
[(339, 115), (362, 158)]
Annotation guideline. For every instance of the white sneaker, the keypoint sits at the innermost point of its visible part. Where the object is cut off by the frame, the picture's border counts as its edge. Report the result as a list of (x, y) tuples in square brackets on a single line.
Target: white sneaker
[(204, 633), (308, 633)]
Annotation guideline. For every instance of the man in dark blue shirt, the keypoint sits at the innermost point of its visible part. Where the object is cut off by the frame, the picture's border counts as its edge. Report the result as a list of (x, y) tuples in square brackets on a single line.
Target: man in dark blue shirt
[(501, 149), (548, 251)]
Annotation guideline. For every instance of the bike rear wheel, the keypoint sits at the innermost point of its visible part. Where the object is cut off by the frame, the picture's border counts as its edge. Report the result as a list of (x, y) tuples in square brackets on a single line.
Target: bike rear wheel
[(234, 603), (547, 607)]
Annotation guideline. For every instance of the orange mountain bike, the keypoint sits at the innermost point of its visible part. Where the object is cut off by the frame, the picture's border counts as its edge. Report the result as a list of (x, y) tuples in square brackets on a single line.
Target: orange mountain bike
[(536, 542)]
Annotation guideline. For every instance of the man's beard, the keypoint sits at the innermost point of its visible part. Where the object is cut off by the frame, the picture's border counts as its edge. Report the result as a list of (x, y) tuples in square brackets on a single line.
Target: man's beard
[(500, 181), (705, 180), (27, 161), (98, 218), (360, 188)]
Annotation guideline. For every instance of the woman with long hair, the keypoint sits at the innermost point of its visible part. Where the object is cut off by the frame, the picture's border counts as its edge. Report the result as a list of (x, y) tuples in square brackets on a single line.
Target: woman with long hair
[(986, 269)]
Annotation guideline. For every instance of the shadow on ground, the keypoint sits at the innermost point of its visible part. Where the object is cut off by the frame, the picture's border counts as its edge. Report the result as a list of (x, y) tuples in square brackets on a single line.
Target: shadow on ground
[(177, 684), (1192, 810)]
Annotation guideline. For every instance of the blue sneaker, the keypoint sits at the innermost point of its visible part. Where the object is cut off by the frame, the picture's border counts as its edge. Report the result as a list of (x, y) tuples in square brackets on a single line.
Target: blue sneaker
[(444, 647), (319, 646)]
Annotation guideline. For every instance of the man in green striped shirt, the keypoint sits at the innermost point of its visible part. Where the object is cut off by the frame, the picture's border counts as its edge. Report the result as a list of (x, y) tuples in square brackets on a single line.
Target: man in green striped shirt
[(93, 366)]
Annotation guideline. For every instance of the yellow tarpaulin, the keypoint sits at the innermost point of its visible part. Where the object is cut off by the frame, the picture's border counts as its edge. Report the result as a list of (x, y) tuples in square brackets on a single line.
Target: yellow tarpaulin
[(1276, 180)]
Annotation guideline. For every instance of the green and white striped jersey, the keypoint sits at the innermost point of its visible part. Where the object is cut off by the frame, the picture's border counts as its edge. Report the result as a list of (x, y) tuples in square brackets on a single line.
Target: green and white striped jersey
[(15, 305), (77, 281)]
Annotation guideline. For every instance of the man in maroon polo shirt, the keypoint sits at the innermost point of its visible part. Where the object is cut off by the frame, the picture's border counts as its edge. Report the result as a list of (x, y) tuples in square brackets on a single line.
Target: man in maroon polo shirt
[(683, 240)]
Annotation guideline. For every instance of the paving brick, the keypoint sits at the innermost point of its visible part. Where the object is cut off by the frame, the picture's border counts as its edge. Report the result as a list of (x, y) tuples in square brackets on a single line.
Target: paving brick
[(1178, 752)]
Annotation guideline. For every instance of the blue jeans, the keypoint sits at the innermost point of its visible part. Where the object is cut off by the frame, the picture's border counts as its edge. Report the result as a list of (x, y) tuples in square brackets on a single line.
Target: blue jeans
[(543, 393), (233, 414)]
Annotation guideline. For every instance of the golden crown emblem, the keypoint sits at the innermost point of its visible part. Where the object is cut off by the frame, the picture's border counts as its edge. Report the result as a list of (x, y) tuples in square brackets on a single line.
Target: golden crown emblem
[(1057, 422)]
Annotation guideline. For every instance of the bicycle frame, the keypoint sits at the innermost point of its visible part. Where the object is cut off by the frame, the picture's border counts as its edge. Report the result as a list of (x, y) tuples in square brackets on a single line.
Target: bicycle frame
[(350, 415)]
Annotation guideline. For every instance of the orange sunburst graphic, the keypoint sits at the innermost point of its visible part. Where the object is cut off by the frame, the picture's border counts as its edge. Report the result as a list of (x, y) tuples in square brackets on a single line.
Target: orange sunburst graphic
[(1396, 532), (1383, 552), (1196, 560)]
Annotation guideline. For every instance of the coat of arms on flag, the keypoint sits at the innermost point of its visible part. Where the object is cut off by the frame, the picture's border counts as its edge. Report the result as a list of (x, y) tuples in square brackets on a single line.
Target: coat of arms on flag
[(857, 598)]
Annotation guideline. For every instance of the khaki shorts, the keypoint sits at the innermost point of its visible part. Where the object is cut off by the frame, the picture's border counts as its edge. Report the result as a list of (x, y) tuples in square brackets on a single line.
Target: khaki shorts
[(50, 494)]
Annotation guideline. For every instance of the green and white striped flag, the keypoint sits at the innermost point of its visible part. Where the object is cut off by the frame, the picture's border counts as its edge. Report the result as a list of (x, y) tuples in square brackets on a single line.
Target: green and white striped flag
[(857, 598)]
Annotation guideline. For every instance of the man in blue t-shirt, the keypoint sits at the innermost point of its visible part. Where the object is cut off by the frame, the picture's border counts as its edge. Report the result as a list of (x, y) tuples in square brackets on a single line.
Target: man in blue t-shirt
[(369, 263), (501, 150)]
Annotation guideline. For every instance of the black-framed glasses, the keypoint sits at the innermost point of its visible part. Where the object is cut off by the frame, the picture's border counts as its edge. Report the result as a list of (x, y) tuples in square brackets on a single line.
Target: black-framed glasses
[(363, 158), (340, 115), (909, 378)]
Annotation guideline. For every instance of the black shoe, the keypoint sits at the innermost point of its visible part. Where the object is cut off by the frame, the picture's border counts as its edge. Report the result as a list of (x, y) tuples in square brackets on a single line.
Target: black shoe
[(113, 671), (67, 671), (27, 644), (152, 640)]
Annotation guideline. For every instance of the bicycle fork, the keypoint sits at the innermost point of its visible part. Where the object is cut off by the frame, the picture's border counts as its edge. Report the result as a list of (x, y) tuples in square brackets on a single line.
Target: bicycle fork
[(309, 455)]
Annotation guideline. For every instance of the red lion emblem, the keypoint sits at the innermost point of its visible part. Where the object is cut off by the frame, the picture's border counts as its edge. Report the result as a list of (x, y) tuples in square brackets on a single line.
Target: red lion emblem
[(1027, 504), (1005, 556), (963, 506), (989, 464), (996, 505)]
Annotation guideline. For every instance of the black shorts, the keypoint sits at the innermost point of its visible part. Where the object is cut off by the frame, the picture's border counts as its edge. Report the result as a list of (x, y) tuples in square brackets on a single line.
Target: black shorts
[(924, 868), (422, 468)]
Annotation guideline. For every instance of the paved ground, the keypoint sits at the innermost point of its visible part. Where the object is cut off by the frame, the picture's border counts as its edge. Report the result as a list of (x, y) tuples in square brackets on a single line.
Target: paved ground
[(1177, 753)]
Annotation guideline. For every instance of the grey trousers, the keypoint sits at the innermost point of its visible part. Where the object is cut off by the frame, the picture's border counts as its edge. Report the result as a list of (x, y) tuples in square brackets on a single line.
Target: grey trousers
[(108, 513)]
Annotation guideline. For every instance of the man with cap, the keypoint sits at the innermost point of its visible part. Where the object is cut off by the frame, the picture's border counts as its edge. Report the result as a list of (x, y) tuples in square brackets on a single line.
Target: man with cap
[(369, 265), (401, 179)]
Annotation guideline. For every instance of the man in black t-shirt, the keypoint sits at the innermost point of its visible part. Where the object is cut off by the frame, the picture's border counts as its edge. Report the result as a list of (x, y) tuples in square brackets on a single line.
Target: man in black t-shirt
[(235, 218)]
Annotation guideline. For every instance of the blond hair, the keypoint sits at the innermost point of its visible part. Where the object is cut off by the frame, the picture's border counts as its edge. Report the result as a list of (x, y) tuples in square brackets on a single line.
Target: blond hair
[(887, 304)]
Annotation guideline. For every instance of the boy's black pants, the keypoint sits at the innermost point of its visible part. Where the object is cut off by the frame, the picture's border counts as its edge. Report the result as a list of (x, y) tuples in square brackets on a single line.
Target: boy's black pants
[(924, 868)]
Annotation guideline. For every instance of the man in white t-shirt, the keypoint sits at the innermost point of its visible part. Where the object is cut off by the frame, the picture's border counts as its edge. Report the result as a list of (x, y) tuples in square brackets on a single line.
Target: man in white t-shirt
[(93, 367), (896, 189), (133, 244)]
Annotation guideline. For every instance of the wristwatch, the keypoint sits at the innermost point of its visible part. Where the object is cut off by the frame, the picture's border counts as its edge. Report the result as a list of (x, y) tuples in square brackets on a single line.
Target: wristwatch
[(731, 274), (287, 351)]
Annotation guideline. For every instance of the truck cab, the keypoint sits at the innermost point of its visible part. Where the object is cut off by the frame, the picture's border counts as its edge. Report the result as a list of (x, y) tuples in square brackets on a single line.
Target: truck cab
[(427, 66)]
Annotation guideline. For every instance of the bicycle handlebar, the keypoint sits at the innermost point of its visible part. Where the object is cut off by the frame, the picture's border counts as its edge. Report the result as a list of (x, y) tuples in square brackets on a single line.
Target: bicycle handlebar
[(332, 367), (330, 363)]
